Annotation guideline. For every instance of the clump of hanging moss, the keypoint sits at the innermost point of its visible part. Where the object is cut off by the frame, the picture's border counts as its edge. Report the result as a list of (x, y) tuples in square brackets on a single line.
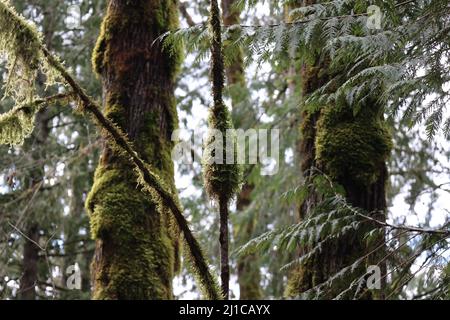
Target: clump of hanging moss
[(352, 147), (17, 124), (220, 179), (21, 44)]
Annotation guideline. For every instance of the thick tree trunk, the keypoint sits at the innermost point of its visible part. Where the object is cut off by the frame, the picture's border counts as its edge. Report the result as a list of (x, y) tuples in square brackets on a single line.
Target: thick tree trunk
[(234, 71), (352, 150), (136, 246), (247, 268)]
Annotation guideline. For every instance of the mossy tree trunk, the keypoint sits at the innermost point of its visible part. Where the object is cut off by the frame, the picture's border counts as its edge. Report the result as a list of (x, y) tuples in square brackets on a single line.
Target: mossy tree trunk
[(136, 252), (248, 272), (352, 150)]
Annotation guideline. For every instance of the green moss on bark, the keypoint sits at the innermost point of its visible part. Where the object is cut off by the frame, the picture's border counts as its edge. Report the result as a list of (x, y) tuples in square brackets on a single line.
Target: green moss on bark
[(21, 44), (352, 147), (135, 228), (159, 16), (220, 179)]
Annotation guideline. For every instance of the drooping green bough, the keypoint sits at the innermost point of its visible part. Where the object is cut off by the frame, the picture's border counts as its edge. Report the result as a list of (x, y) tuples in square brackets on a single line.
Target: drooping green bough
[(221, 178), (16, 35)]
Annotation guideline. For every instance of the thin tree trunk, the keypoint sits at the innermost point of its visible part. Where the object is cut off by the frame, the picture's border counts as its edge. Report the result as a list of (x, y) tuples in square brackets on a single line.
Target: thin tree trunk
[(29, 279), (223, 240), (31, 251), (247, 267), (249, 275), (136, 245)]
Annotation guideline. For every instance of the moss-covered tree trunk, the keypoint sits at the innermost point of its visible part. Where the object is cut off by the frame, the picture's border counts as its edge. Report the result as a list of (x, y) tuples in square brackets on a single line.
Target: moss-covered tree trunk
[(248, 272), (351, 149), (136, 244)]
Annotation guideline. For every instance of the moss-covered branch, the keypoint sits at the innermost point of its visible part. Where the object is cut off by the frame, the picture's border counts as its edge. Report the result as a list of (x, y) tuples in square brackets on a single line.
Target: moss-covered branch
[(221, 179), (18, 123), (20, 43), (147, 178), (217, 64)]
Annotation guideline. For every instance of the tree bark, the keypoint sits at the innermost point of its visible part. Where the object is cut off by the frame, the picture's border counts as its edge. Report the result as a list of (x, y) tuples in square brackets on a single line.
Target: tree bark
[(224, 242), (80, 182), (29, 279), (136, 252)]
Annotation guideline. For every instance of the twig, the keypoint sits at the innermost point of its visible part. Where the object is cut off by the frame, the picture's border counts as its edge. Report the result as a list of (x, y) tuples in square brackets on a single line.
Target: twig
[(25, 236), (443, 232)]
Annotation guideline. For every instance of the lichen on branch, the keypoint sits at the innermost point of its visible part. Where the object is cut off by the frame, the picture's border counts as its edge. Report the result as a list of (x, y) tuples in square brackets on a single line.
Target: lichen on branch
[(20, 44), (18, 123)]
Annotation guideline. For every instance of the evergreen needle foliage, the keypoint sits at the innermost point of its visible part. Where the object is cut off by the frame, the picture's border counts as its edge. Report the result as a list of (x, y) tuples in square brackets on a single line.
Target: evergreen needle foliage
[(404, 61), (332, 219)]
